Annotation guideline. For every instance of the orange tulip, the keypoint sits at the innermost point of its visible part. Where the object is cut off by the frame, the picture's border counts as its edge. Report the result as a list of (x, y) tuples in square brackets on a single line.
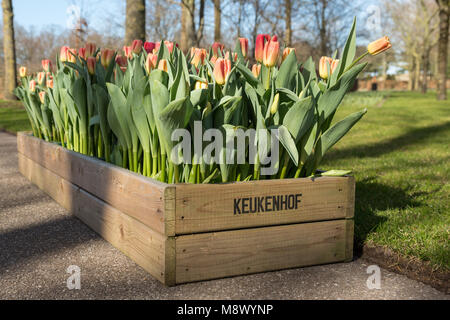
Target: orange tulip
[(256, 69), (42, 96), (50, 82), (64, 54), (244, 46), (46, 65), (32, 85), (82, 53), (40, 77), (106, 57), (199, 56), (286, 52), (72, 55), (162, 65), (23, 72), (91, 62), (233, 54), (128, 52), (151, 62), (201, 85), (378, 46), (271, 51), (216, 46), (222, 69), (90, 49)]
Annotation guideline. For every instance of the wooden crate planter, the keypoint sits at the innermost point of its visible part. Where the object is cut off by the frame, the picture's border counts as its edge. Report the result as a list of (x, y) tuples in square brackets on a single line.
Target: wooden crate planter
[(183, 233)]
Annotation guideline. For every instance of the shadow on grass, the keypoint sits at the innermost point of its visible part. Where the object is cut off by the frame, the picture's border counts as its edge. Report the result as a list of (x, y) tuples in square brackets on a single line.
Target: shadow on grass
[(371, 197), (386, 146)]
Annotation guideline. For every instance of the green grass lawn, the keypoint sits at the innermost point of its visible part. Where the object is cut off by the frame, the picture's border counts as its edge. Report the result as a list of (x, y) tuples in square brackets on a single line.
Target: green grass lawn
[(400, 155), (13, 116)]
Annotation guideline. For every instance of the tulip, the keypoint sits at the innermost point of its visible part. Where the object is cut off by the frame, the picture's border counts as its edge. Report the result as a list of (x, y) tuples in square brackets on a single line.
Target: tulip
[(216, 46), (286, 52), (271, 49), (198, 57), (334, 65), (275, 104), (256, 69), (91, 48), (42, 96), (50, 82), (167, 43), (213, 59), (378, 46), (244, 46), (201, 85), (162, 65), (64, 54), (72, 55), (128, 52), (91, 62), (323, 67), (136, 46), (40, 77), (149, 46), (23, 72), (106, 57), (32, 85), (261, 39), (121, 61), (46, 65), (233, 54), (82, 53), (222, 69), (151, 62)]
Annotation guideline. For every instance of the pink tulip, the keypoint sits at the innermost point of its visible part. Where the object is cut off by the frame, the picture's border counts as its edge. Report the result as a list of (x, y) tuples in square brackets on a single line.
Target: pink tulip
[(216, 46), (128, 52)]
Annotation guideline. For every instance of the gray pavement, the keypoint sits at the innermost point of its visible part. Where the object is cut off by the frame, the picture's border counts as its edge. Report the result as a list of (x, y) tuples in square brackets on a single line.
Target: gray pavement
[(39, 240)]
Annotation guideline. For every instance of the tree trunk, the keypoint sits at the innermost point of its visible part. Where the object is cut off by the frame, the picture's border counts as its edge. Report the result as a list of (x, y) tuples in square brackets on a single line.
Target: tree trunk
[(444, 13), (411, 73), (323, 30), (426, 67), (135, 21), (9, 50), (184, 42), (288, 31), (217, 18), (417, 74), (189, 23), (201, 23)]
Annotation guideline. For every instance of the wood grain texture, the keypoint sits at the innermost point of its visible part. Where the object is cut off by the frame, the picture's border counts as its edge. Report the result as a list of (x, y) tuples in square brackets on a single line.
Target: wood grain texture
[(139, 197), (143, 245), (203, 208), (228, 253), (350, 229)]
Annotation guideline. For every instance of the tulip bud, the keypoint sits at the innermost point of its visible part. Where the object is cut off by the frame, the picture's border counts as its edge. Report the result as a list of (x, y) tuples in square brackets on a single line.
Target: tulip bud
[(244, 46), (72, 55), (199, 57), (151, 62), (334, 65), (128, 53), (162, 65), (32, 85), (216, 46), (323, 67), (136, 46), (42, 96), (82, 53), (233, 54), (222, 68), (213, 59), (50, 82), (121, 61), (46, 65), (149, 47), (261, 40), (169, 45), (378, 46), (275, 104), (106, 57), (286, 52), (23, 72), (207, 110), (90, 49), (40, 77), (64, 54), (256, 69), (201, 85), (91, 62), (271, 52)]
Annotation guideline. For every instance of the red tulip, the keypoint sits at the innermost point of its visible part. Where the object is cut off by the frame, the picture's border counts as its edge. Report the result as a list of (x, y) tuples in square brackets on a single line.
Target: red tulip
[(91, 62), (32, 85), (256, 69), (121, 61), (222, 69), (149, 46), (46, 65), (378, 46), (244, 46), (271, 51), (162, 65), (23, 72), (90, 49), (82, 53), (151, 62), (136, 46), (106, 57), (261, 40), (42, 96), (216, 46)]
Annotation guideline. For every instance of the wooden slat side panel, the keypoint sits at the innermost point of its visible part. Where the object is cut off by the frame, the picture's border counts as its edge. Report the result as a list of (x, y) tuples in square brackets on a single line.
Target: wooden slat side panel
[(350, 229), (143, 245), (130, 193), (204, 208), (228, 253), (350, 206)]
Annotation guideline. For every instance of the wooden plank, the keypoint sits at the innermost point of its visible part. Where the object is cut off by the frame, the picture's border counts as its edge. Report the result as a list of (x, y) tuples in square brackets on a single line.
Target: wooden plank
[(350, 228), (228, 253), (204, 208), (143, 245), (351, 197), (139, 197)]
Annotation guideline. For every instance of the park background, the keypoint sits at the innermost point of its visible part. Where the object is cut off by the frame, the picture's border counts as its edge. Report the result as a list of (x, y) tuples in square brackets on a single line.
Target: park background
[(399, 152)]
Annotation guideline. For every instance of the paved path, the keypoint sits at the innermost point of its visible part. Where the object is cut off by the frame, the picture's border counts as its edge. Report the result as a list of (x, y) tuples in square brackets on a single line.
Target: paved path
[(39, 240)]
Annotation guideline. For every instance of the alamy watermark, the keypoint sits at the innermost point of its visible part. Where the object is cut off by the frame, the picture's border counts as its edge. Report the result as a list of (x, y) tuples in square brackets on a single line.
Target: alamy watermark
[(374, 280), (74, 281)]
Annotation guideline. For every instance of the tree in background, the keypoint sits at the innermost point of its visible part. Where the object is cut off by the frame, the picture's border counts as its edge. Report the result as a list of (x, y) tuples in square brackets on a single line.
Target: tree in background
[(444, 13), (191, 33), (9, 50), (135, 21), (217, 21)]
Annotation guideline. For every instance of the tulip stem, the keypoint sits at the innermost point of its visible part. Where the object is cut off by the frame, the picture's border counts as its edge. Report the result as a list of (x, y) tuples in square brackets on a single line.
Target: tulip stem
[(268, 79), (356, 61)]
